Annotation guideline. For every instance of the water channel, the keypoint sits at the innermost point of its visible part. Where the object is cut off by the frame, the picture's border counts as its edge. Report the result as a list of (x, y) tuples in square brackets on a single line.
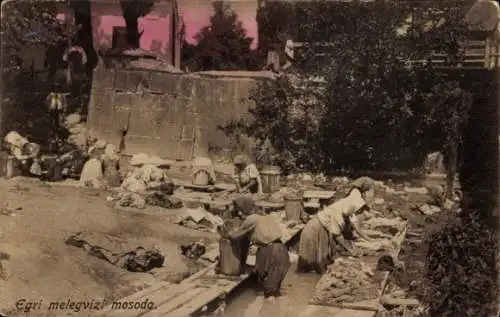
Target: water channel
[(297, 289)]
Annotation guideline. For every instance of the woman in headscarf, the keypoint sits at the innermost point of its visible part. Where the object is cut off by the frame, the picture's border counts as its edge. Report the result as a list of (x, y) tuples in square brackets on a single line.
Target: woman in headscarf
[(92, 174), (363, 187), (25, 152), (111, 166), (272, 259), (246, 176), (321, 234)]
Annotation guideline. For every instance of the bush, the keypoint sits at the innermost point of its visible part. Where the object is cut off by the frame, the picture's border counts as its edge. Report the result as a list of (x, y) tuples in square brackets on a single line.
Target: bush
[(462, 270)]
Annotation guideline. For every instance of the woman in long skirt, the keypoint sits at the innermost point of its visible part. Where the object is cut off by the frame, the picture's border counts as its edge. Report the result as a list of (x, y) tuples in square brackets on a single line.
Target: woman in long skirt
[(315, 247), (111, 166), (272, 259), (328, 228), (92, 173)]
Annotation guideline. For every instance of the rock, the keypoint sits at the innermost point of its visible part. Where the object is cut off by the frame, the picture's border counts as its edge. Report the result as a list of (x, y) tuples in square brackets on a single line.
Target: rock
[(416, 190), (306, 177), (340, 180), (378, 184), (72, 119), (390, 190), (448, 205), (398, 293), (429, 210), (379, 201)]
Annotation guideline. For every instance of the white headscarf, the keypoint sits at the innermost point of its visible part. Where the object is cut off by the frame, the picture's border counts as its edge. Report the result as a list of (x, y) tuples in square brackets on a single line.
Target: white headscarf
[(110, 152), (355, 201)]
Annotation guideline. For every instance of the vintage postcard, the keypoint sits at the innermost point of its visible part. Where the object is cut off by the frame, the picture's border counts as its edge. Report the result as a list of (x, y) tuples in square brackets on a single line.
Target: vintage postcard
[(249, 158)]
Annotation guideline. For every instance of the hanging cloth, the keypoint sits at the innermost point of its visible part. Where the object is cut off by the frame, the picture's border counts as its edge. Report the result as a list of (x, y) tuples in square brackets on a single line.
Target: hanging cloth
[(57, 101)]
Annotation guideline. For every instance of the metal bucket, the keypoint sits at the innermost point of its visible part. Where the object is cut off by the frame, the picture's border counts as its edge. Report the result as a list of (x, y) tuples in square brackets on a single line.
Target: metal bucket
[(7, 166), (270, 176), (233, 256)]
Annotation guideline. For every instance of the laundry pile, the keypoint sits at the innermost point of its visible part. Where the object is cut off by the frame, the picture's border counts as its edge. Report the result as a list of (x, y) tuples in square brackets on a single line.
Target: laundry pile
[(194, 250), (146, 183), (384, 225), (200, 219), (113, 250), (145, 175), (374, 247), (163, 200), (348, 280)]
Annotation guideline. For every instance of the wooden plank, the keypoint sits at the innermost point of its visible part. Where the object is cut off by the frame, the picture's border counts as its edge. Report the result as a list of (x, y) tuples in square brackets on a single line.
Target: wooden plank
[(320, 311), (196, 303), (355, 313), (399, 241), (319, 194), (199, 274), (174, 303), (138, 295), (158, 297), (371, 305), (269, 205), (312, 205), (387, 300), (157, 292), (235, 283), (374, 304), (218, 186)]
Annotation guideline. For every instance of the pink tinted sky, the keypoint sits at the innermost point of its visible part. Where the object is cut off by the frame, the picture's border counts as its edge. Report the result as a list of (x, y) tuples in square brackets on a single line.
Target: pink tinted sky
[(196, 14)]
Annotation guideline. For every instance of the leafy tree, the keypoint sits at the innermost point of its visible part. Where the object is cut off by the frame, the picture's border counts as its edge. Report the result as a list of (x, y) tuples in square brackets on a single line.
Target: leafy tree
[(380, 111), (223, 45), (377, 111), (132, 10), (276, 24), (84, 36), (29, 25), (30, 22)]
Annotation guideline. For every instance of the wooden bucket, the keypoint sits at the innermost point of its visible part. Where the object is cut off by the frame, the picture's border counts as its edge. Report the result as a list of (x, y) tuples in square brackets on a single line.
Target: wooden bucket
[(7, 166), (201, 178), (294, 207), (233, 256), (270, 176)]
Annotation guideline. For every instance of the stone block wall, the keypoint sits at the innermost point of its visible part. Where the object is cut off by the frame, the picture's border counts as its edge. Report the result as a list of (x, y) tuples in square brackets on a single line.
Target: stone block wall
[(174, 116)]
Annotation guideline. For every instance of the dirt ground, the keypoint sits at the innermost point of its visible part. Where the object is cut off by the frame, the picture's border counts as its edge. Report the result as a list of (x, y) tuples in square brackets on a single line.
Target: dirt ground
[(414, 252), (42, 266)]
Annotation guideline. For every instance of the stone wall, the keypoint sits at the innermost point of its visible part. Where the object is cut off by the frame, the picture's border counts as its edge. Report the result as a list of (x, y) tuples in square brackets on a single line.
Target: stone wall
[(170, 115)]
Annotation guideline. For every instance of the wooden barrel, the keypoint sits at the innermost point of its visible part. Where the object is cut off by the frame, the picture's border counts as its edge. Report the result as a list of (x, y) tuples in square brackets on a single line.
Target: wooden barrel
[(233, 256), (294, 207), (8, 167), (270, 176)]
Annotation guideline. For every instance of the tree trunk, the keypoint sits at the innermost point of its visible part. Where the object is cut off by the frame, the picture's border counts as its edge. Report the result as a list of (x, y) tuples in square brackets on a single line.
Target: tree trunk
[(451, 167), (84, 37), (132, 27)]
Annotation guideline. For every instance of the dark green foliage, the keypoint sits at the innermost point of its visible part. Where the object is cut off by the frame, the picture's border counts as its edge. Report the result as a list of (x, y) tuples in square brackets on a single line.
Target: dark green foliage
[(376, 112), (461, 270), (373, 111), (29, 22), (276, 24), (223, 45)]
